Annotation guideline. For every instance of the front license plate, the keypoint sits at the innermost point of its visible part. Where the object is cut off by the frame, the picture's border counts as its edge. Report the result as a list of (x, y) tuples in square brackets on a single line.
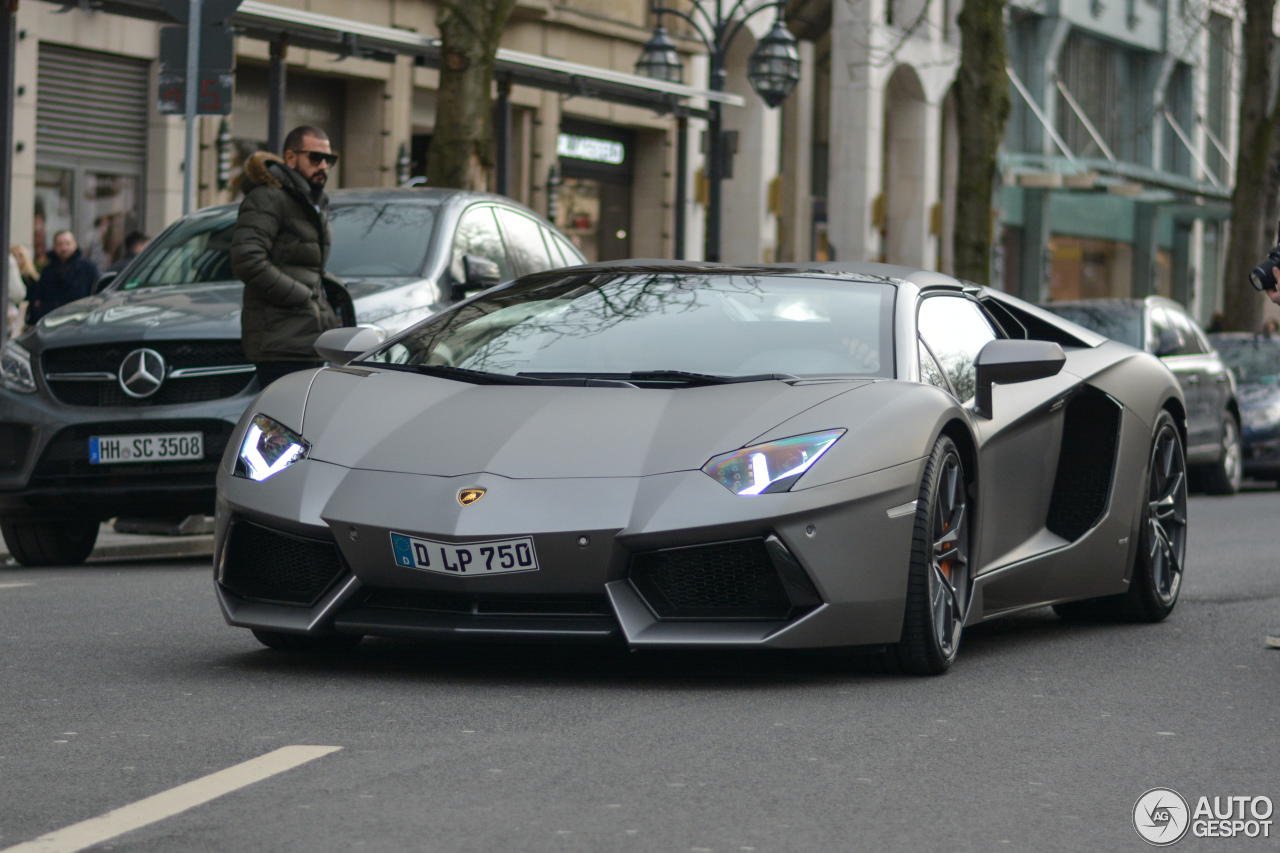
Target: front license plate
[(156, 447), (499, 557)]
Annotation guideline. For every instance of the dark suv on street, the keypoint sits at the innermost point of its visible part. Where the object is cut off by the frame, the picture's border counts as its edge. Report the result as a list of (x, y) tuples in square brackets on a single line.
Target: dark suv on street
[(1161, 327), (121, 404)]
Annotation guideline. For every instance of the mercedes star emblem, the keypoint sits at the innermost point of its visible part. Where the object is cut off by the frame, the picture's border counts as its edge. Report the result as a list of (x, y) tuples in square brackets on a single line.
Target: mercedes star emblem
[(142, 373)]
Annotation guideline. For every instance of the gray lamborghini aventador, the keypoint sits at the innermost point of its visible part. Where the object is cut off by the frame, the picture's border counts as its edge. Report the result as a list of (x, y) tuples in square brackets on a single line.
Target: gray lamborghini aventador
[(822, 456)]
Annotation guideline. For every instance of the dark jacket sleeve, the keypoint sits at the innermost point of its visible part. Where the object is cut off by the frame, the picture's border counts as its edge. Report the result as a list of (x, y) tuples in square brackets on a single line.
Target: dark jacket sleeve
[(251, 242), (86, 276)]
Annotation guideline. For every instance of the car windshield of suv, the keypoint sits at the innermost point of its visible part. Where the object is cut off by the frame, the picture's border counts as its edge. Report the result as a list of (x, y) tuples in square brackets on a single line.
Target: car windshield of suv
[(369, 241), (613, 325), (1120, 321), (1252, 360)]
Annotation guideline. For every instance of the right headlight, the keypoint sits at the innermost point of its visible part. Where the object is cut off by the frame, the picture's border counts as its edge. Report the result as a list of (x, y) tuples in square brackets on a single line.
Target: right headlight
[(15, 369), (1262, 418), (770, 467), (268, 448)]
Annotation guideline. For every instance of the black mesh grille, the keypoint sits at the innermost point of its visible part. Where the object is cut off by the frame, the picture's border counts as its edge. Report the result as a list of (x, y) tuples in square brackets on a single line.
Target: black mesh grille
[(530, 605), (174, 392), (178, 355), (730, 580), (15, 441), (1091, 429), (270, 566), (67, 455)]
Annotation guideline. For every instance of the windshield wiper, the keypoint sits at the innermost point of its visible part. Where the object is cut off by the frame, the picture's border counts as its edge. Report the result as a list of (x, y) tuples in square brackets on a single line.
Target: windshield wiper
[(689, 378), (476, 377)]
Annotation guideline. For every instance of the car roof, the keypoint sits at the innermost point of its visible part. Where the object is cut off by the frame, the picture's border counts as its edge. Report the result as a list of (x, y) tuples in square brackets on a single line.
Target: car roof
[(870, 273), (403, 195)]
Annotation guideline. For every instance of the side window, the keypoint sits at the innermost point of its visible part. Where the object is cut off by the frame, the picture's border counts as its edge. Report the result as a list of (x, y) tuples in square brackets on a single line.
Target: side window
[(1191, 341), (930, 372), (572, 255), (1160, 323), (956, 330), (478, 235), (524, 237)]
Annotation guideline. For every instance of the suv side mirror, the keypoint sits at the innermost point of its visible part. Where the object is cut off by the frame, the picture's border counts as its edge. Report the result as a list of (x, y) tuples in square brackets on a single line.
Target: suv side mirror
[(1170, 342), (343, 344), (1006, 362), (104, 281), (478, 274)]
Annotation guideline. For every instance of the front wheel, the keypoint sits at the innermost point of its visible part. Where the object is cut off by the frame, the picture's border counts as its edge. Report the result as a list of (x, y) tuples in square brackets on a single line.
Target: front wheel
[(938, 585), (1223, 477), (65, 542)]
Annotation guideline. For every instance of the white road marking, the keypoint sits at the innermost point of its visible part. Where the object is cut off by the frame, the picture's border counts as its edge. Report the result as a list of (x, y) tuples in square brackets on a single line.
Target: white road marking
[(12, 585), (92, 832)]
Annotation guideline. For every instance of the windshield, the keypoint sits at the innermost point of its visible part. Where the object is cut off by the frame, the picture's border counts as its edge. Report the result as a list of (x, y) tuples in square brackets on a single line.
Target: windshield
[(369, 241), (1120, 321), (616, 324), (1252, 360)]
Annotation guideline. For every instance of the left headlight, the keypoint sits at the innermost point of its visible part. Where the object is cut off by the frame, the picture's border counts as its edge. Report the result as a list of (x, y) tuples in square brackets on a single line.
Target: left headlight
[(770, 467), (268, 448), (15, 369)]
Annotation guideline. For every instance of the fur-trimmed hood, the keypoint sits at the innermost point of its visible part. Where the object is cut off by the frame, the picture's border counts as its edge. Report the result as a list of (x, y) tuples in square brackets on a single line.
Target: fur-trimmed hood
[(256, 171)]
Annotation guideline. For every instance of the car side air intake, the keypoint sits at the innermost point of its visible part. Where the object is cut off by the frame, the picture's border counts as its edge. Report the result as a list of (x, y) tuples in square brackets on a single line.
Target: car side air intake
[(1086, 463)]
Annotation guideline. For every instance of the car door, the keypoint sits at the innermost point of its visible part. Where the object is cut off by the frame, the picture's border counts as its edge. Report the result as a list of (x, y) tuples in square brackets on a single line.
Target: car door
[(1189, 365), (1018, 446)]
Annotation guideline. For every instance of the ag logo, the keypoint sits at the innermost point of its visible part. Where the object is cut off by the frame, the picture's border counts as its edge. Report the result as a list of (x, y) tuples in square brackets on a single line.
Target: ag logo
[(1161, 816), (467, 497)]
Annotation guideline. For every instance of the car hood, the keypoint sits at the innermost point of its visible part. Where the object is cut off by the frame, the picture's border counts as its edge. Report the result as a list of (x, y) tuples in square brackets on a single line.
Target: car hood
[(192, 311), (1257, 395), (395, 421)]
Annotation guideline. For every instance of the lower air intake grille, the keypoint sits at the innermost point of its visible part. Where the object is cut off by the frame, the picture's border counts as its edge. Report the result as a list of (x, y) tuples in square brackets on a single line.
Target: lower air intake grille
[(1090, 431), (728, 580), (270, 566)]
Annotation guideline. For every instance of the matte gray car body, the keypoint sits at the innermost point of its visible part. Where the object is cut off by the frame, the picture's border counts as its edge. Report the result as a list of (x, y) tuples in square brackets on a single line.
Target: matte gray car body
[(390, 452)]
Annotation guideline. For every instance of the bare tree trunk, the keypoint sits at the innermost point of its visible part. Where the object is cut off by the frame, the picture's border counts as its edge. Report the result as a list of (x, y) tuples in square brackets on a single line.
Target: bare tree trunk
[(1251, 232), (461, 153), (982, 110)]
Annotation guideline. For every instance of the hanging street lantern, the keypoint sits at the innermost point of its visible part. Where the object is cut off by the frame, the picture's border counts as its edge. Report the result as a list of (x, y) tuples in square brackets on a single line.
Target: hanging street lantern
[(659, 60), (774, 66)]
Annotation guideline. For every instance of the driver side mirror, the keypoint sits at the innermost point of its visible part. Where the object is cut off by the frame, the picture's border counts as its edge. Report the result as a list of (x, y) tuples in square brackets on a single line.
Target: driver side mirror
[(104, 281), (478, 274), (343, 344), (1009, 361), (1170, 342)]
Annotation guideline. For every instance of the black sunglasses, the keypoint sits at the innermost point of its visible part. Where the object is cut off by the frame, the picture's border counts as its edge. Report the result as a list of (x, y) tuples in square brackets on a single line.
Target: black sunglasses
[(318, 157)]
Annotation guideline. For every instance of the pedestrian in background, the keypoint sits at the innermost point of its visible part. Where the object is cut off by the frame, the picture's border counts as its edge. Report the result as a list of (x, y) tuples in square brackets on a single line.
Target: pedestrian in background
[(132, 246), (279, 249), (22, 277), (67, 277)]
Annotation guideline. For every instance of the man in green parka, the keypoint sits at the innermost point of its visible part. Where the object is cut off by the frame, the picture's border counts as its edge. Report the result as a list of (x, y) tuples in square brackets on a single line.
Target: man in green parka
[(279, 250)]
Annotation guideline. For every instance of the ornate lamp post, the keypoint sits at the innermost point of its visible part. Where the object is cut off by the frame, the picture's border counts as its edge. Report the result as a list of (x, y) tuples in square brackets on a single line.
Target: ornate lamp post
[(773, 69)]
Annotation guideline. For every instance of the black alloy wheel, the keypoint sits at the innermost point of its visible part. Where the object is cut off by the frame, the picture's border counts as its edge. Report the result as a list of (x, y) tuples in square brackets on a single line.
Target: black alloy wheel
[(938, 589), (1160, 558)]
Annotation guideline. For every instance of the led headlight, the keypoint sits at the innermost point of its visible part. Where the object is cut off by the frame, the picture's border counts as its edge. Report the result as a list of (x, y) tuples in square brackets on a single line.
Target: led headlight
[(15, 369), (268, 448), (770, 467)]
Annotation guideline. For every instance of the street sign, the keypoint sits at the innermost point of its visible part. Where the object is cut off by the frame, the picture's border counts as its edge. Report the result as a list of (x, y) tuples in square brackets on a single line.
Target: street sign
[(217, 62), (211, 11)]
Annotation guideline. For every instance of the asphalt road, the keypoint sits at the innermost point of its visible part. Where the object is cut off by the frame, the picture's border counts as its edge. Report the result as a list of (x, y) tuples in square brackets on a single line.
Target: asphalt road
[(118, 682)]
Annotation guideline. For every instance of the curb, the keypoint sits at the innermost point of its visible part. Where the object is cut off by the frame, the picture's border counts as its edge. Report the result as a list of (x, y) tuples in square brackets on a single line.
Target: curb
[(116, 546)]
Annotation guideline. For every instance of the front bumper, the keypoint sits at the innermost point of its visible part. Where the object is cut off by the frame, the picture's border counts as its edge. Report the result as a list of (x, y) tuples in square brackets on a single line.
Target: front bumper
[(1261, 453), (845, 550), (45, 471)]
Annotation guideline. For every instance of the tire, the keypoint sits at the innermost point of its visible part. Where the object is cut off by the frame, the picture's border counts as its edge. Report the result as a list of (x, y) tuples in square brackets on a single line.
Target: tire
[(322, 644), (1224, 476), (1156, 577), (66, 542), (938, 583)]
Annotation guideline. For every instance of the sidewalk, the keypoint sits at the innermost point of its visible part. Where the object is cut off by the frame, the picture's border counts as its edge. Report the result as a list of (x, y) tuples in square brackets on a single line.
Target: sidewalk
[(132, 546)]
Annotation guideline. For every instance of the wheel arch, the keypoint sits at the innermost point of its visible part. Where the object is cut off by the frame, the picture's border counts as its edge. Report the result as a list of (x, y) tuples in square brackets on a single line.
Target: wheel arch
[(1174, 407), (956, 430)]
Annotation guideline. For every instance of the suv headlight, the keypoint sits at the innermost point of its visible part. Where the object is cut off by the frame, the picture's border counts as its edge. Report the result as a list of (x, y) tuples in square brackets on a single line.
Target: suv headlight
[(15, 369), (770, 467), (268, 448), (1259, 419)]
